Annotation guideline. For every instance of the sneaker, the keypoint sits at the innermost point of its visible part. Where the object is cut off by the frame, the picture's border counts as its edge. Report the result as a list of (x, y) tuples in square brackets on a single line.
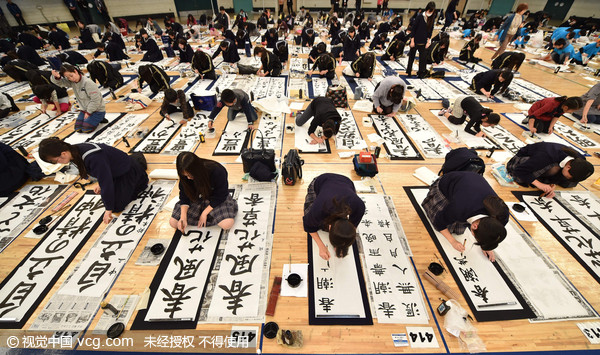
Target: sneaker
[(442, 112), (517, 74), (525, 120), (104, 120)]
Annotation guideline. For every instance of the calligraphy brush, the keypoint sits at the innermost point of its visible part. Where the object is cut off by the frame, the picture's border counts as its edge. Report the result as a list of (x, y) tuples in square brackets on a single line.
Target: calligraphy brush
[(122, 308)]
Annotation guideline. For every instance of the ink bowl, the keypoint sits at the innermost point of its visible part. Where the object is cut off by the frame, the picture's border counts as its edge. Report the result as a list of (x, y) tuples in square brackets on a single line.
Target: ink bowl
[(157, 249), (436, 268), (518, 208), (270, 330), (294, 280)]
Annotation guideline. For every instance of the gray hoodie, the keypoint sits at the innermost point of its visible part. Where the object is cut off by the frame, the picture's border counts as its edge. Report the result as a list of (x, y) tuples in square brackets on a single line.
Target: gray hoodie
[(86, 91)]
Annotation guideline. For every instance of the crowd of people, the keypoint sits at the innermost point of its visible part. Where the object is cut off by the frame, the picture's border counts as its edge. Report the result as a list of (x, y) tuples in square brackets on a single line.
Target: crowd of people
[(456, 201)]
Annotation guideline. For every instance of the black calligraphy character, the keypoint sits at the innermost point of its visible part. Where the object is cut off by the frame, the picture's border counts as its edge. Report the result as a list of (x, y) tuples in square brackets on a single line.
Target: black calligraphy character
[(324, 283), (326, 303), (394, 253), (16, 297), (188, 269), (370, 237), (410, 309), (401, 269), (544, 204), (383, 223), (254, 200), (107, 252), (250, 217), (367, 222), (93, 275), (583, 202), (387, 308), (469, 274), (88, 207), (198, 246), (242, 263), (7, 221), (235, 294), (73, 227), (374, 252), (461, 261), (378, 269), (382, 287), (230, 144), (405, 287), (388, 237), (481, 292), (176, 297)]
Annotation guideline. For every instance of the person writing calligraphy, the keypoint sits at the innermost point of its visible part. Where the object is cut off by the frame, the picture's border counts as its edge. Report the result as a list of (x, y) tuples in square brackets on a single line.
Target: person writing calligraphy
[(121, 177), (545, 164), (461, 199), (332, 205), (325, 115), (204, 198)]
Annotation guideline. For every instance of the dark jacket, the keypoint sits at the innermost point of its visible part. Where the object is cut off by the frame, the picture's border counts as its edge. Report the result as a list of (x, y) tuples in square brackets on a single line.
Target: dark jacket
[(29, 54), (230, 54), (271, 64), (474, 110), (219, 187), (13, 167), (465, 192), (59, 38), (156, 78), (73, 57), (327, 188), (113, 52), (186, 55), (153, 53), (351, 46), (533, 161), (202, 62), (435, 53), (467, 51), (30, 40), (360, 66), (242, 104), (420, 31), (87, 41), (324, 110), (487, 80)]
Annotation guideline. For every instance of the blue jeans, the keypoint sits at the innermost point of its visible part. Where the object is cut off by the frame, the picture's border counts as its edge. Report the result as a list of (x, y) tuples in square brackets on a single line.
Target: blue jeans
[(591, 118), (88, 125)]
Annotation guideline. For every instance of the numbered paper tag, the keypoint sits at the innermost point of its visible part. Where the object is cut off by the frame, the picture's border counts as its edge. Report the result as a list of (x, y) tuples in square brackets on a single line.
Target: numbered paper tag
[(422, 337), (400, 339), (244, 336), (591, 330)]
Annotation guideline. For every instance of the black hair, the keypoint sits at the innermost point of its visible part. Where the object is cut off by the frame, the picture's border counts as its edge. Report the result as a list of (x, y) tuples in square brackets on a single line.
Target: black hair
[(321, 47), (200, 169), (490, 231), (222, 8), (572, 103), (352, 30), (52, 148), (143, 32), (396, 94), (228, 96), (477, 37), (310, 31), (66, 67), (260, 50), (328, 128), (342, 233), (445, 42), (493, 118), (560, 42), (43, 92), (580, 169)]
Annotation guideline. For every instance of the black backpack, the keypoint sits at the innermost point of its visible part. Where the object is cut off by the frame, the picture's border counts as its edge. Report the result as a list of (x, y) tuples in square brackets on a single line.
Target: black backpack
[(291, 169), (462, 159)]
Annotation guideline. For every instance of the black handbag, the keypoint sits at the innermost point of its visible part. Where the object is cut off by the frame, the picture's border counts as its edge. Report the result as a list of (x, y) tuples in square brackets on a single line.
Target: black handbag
[(251, 155)]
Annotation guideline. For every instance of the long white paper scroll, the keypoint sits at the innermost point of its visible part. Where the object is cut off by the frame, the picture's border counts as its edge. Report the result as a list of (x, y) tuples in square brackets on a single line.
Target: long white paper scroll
[(548, 292), (25, 128), (119, 129), (102, 264), (583, 204), (422, 88), (554, 138), (302, 139), (241, 286), (158, 137), (189, 135), (481, 283), (18, 118), (575, 136), (15, 88), (504, 138), (397, 143), (336, 287), (234, 137), (319, 86), (35, 137), (224, 81), (16, 215), (183, 283), (298, 64), (348, 137), (575, 236), (393, 284), (269, 86), (430, 142), (271, 128), (29, 282), (78, 137)]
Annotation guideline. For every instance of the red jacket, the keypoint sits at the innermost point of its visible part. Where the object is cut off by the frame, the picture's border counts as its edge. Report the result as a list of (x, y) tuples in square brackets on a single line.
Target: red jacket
[(546, 109)]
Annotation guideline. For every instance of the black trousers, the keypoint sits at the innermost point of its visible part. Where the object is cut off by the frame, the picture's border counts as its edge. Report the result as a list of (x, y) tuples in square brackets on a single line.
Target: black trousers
[(422, 58), (20, 20)]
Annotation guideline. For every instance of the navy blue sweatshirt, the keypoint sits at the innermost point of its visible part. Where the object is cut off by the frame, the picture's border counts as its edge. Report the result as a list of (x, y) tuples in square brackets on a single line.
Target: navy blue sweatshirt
[(59, 38), (327, 187), (186, 55), (113, 52), (153, 53), (29, 54), (351, 46), (218, 185), (230, 54), (420, 31), (542, 157), (106, 164), (485, 80), (465, 192), (324, 110)]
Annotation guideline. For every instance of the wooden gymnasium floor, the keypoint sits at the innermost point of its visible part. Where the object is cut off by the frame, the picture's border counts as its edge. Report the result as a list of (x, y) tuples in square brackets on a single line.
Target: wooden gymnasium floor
[(289, 239)]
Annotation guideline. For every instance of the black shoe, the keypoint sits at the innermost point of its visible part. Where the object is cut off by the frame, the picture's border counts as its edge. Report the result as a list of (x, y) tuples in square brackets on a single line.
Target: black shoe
[(104, 120)]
